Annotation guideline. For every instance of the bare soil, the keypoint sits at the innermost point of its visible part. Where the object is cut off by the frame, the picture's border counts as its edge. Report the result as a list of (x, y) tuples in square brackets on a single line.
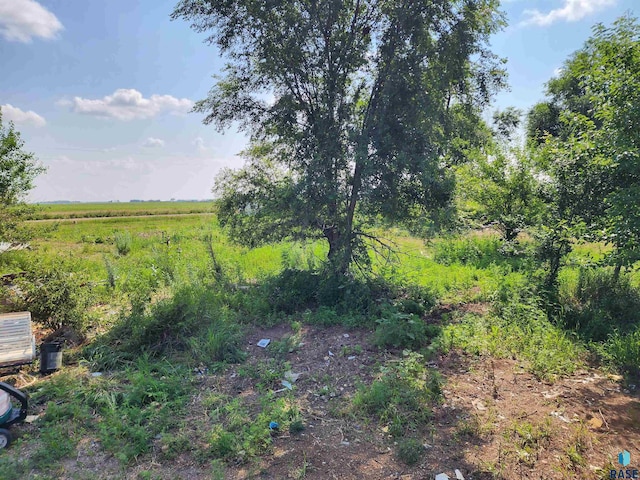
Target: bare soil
[(496, 420)]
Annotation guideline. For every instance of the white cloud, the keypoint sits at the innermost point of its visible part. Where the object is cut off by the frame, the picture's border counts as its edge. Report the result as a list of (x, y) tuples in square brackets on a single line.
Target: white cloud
[(199, 144), (21, 20), (572, 11), (20, 117), (153, 142), (129, 104)]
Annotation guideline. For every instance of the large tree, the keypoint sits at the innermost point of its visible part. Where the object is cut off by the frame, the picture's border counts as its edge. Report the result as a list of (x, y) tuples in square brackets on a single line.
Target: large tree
[(355, 108), (18, 170)]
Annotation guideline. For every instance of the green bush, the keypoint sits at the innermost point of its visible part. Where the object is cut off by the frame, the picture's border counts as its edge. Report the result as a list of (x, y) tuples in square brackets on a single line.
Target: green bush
[(402, 330), (123, 242), (55, 297), (622, 351), (599, 304), (298, 290), (410, 450), (196, 319), (519, 328)]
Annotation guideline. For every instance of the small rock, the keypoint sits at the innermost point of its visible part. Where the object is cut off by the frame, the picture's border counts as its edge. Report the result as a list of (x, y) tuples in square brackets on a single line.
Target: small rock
[(479, 404), (31, 418)]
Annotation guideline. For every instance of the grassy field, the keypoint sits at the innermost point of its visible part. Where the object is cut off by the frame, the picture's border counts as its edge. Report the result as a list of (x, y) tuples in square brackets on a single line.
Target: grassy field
[(88, 210), (162, 378)]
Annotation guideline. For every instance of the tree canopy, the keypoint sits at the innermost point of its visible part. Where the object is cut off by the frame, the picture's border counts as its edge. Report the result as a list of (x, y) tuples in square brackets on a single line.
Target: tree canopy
[(18, 169), (589, 132), (356, 109)]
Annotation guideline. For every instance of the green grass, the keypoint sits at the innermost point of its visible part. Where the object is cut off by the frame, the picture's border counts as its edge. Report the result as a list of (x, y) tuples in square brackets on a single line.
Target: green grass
[(402, 396), (182, 295), (80, 210)]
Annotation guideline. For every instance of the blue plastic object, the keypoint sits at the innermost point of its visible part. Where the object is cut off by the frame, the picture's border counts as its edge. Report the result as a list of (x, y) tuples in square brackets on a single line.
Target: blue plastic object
[(273, 426)]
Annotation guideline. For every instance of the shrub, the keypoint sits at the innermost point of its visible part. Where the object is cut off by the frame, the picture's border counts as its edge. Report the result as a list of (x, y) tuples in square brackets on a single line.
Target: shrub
[(599, 304), (123, 242), (410, 450), (402, 330), (196, 319), (518, 327), (623, 352), (56, 298)]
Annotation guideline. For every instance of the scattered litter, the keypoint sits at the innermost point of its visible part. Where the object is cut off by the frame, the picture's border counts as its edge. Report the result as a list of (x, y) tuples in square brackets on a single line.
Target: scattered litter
[(595, 422), (273, 426), (345, 443), (426, 445), (560, 416), (96, 374), (331, 353), (442, 476), (459, 474), (479, 404), (550, 395), (292, 377), (345, 335), (31, 418), (287, 384), (264, 342), (352, 357)]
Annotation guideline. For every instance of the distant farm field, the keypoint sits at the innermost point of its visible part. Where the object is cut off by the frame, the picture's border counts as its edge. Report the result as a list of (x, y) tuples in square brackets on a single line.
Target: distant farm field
[(93, 210)]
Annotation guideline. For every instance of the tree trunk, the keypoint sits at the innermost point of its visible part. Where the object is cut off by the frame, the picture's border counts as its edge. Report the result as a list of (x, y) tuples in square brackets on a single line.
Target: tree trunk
[(616, 272), (333, 236)]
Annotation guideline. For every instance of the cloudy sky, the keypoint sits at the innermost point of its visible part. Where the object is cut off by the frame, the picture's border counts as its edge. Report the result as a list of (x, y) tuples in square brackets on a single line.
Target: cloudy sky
[(101, 90)]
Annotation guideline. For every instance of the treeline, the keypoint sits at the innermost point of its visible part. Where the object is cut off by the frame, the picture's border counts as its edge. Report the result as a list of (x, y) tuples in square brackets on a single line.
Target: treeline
[(575, 176)]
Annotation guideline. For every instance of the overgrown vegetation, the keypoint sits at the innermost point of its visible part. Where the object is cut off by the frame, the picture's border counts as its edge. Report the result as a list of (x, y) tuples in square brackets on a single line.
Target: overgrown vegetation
[(160, 308)]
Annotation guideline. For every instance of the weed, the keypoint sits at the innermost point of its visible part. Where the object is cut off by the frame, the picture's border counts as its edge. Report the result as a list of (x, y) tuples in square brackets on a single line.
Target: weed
[(111, 273), (222, 444), (300, 472), (123, 242), (281, 348), (402, 396), (402, 330), (528, 439), (410, 450), (56, 297), (579, 444), (598, 304), (518, 328), (622, 352), (297, 426)]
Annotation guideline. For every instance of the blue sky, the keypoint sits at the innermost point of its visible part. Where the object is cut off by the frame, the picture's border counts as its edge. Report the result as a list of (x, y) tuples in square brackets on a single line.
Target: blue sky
[(101, 90)]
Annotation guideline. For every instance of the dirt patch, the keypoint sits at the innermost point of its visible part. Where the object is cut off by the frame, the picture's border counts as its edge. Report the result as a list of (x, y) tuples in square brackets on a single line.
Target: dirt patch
[(495, 419)]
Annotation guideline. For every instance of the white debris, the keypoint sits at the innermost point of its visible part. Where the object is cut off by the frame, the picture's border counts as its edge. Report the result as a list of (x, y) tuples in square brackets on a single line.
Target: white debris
[(459, 475), (264, 342), (292, 377)]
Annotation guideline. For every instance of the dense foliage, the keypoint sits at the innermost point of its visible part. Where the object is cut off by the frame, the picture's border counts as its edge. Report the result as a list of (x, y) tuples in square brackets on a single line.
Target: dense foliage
[(18, 169), (370, 102)]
